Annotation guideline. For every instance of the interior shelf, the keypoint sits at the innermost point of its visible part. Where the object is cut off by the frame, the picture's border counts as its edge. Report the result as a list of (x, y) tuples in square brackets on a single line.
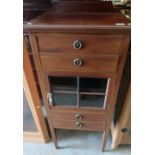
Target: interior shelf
[(92, 93)]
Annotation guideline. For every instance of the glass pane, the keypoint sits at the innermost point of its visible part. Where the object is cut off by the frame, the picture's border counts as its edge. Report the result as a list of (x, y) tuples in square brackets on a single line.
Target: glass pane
[(96, 101), (93, 85), (63, 83), (76, 91), (60, 99), (28, 121)]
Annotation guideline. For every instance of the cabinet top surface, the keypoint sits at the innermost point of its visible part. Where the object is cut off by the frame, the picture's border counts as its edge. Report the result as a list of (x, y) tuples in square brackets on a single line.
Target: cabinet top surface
[(61, 16)]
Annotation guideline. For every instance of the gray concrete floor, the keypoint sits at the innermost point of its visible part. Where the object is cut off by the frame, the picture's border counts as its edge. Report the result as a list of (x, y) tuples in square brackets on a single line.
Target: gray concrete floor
[(75, 143)]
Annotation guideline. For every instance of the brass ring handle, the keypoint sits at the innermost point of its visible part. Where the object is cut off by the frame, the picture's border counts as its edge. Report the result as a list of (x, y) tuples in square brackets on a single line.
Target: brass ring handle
[(77, 44), (78, 116), (77, 62), (78, 124)]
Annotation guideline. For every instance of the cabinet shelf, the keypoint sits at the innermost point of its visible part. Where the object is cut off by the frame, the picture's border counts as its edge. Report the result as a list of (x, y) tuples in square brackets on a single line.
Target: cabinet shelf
[(92, 93), (75, 92), (64, 89)]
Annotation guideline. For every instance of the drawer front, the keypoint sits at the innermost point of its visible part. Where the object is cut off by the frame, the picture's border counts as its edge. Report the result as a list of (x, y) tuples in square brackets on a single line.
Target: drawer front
[(79, 125), (78, 116), (90, 63), (89, 43)]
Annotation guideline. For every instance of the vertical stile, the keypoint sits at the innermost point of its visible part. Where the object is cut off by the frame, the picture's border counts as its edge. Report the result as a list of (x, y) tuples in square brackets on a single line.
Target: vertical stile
[(78, 89), (106, 93)]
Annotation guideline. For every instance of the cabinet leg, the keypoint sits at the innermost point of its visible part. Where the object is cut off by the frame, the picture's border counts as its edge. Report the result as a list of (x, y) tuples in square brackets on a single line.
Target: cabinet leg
[(53, 132), (105, 138)]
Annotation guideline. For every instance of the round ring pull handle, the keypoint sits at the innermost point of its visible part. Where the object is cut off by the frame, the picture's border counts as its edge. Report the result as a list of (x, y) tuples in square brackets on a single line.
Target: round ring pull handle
[(77, 44), (78, 124), (77, 62), (78, 116)]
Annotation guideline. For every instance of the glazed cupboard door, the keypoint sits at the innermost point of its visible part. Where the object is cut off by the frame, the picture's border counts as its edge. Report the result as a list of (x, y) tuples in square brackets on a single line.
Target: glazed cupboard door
[(77, 92), (34, 125)]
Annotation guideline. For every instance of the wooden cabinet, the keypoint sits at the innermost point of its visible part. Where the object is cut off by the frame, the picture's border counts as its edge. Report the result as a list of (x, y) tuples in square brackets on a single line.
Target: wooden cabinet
[(121, 125), (79, 57)]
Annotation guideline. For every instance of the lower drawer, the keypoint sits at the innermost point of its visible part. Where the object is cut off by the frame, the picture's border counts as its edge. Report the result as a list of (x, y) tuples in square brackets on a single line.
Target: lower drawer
[(79, 125), (78, 116), (80, 63)]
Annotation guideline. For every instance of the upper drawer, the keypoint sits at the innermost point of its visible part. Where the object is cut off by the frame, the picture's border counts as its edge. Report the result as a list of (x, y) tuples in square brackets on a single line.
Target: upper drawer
[(78, 115), (79, 63), (79, 43)]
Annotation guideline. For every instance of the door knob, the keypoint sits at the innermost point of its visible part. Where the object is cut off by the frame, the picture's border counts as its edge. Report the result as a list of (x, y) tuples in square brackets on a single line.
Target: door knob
[(77, 44), (78, 116), (77, 62), (78, 124)]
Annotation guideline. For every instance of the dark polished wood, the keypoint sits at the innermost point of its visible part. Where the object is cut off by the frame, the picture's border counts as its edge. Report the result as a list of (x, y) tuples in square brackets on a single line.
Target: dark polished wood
[(105, 38), (90, 63), (34, 8), (58, 43), (61, 16)]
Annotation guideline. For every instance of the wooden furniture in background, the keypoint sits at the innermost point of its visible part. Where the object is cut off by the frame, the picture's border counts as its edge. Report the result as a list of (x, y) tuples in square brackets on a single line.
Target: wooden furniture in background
[(121, 132), (121, 124), (33, 99), (74, 45)]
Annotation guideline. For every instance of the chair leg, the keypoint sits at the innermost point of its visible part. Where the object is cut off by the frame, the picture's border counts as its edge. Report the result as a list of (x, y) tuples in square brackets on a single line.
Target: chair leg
[(105, 138)]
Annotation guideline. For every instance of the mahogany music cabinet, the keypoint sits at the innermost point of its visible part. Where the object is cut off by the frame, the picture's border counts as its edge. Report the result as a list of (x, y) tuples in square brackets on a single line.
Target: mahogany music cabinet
[(79, 49)]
